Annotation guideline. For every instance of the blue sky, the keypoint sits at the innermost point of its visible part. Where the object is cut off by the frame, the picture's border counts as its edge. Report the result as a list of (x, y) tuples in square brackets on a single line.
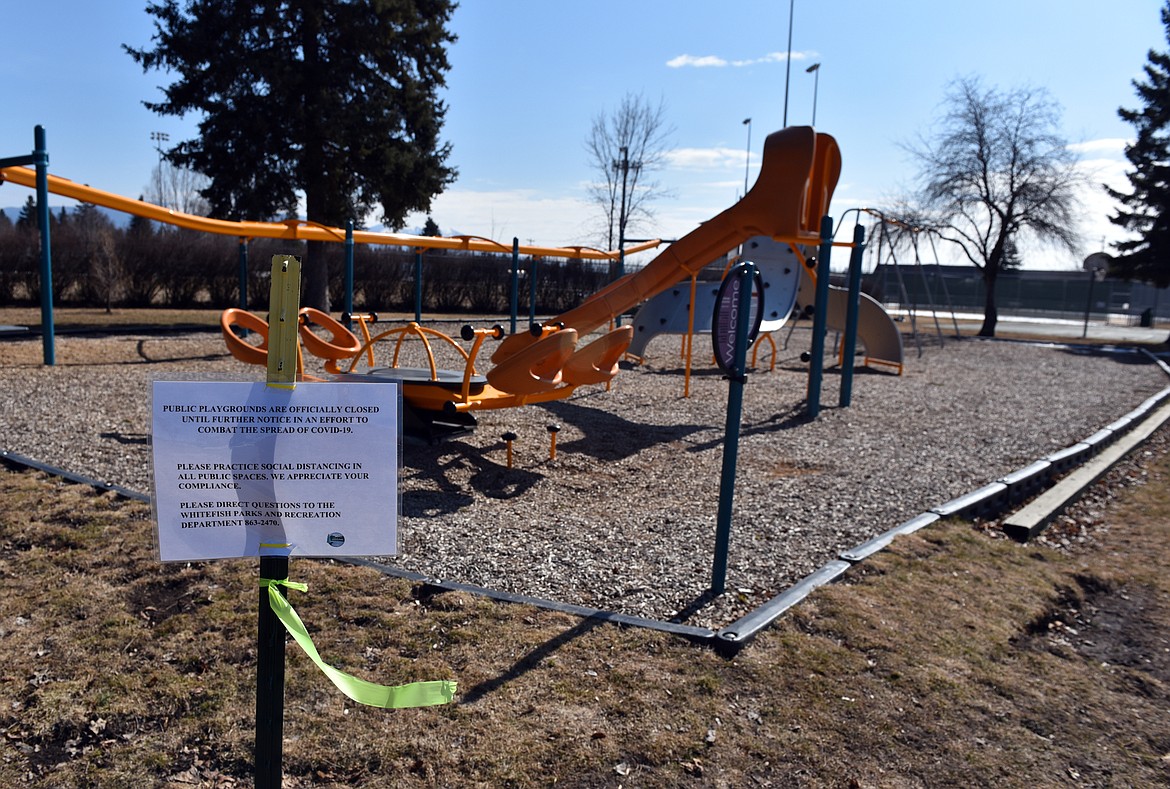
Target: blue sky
[(528, 77)]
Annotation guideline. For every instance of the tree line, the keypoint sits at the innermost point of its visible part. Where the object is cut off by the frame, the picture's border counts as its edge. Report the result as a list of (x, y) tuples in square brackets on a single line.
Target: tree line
[(98, 264)]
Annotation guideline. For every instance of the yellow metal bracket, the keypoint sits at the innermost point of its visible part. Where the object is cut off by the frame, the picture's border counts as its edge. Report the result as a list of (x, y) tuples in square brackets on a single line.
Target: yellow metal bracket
[(284, 304)]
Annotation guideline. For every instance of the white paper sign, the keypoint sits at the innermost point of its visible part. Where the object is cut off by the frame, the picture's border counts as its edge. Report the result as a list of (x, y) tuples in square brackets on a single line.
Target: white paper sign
[(241, 464)]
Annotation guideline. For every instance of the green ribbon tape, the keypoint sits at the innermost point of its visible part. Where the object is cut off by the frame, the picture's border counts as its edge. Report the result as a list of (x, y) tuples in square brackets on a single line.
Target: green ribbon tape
[(416, 694)]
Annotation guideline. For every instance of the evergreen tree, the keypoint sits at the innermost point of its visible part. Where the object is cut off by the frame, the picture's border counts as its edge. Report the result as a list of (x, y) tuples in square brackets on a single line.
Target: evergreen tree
[(28, 215), (431, 228), (1144, 209), (140, 227), (335, 98)]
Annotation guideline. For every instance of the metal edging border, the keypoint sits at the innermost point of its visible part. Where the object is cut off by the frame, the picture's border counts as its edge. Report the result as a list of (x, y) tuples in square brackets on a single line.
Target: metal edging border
[(991, 499), (586, 612), (15, 460)]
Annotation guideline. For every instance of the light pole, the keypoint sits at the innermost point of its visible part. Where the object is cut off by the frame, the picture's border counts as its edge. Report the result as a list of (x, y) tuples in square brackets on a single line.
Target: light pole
[(748, 158), (788, 61), (159, 139), (624, 166), (815, 70)]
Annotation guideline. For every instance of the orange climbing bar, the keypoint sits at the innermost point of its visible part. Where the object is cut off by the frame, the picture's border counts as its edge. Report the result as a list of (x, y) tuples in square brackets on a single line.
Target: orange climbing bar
[(296, 229)]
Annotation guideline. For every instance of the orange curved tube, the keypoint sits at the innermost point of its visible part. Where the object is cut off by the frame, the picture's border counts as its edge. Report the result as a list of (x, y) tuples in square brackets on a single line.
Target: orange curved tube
[(537, 368), (294, 229)]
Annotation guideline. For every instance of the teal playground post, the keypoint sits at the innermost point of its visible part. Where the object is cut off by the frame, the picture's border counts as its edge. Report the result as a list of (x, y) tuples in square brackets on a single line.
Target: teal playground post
[(816, 367), (515, 298), (742, 324), (242, 272), (39, 158), (621, 272), (418, 253), (849, 347), (532, 291), (347, 307)]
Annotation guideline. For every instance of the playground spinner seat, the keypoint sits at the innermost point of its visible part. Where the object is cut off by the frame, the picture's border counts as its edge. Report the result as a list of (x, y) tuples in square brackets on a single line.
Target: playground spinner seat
[(430, 386), (597, 362), (342, 344), (537, 368), (236, 344)]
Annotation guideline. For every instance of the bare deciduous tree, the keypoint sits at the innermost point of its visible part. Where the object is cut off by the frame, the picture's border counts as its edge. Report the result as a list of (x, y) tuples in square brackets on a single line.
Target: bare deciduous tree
[(625, 148), (178, 188), (996, 168)]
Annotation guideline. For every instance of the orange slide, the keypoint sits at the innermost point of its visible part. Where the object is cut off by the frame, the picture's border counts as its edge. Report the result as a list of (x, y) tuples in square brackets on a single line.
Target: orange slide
[(792, 192)]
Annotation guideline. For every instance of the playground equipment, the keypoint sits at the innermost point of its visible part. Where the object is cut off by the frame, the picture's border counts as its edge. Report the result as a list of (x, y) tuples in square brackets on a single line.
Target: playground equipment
[(669, 312), (797, 177), (780, 266), (892, 233), (11, 170), (877, 331), (295, 229)]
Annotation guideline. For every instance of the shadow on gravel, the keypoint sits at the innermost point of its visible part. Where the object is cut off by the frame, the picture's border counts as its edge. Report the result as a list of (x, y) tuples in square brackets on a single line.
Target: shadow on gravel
[(1116, 353), (433, 503), (127, 438), (140, 349), (790, 419), (610, 437), (439, 462)]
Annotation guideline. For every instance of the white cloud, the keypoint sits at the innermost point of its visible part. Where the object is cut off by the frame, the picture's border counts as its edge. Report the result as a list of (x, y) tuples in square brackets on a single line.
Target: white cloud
[(696, 61), (705, 158), (714, 61), (552, 220), (1109, 146)]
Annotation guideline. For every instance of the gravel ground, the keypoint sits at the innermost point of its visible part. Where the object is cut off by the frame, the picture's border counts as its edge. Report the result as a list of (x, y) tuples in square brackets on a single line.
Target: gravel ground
[(624, 518)]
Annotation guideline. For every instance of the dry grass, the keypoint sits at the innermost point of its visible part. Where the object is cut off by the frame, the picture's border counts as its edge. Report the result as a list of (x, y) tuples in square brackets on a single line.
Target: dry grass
[(950, 659), (71, 319)]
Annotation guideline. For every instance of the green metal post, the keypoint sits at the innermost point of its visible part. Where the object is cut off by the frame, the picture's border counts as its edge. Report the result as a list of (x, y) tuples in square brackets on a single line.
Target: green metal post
[(851, 316), (418, 286), (816, 367), (515, 300), (242, 272), (621, 272), (532, 291), (348, 305), (270, 681), (41, 162), (747, 275)]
